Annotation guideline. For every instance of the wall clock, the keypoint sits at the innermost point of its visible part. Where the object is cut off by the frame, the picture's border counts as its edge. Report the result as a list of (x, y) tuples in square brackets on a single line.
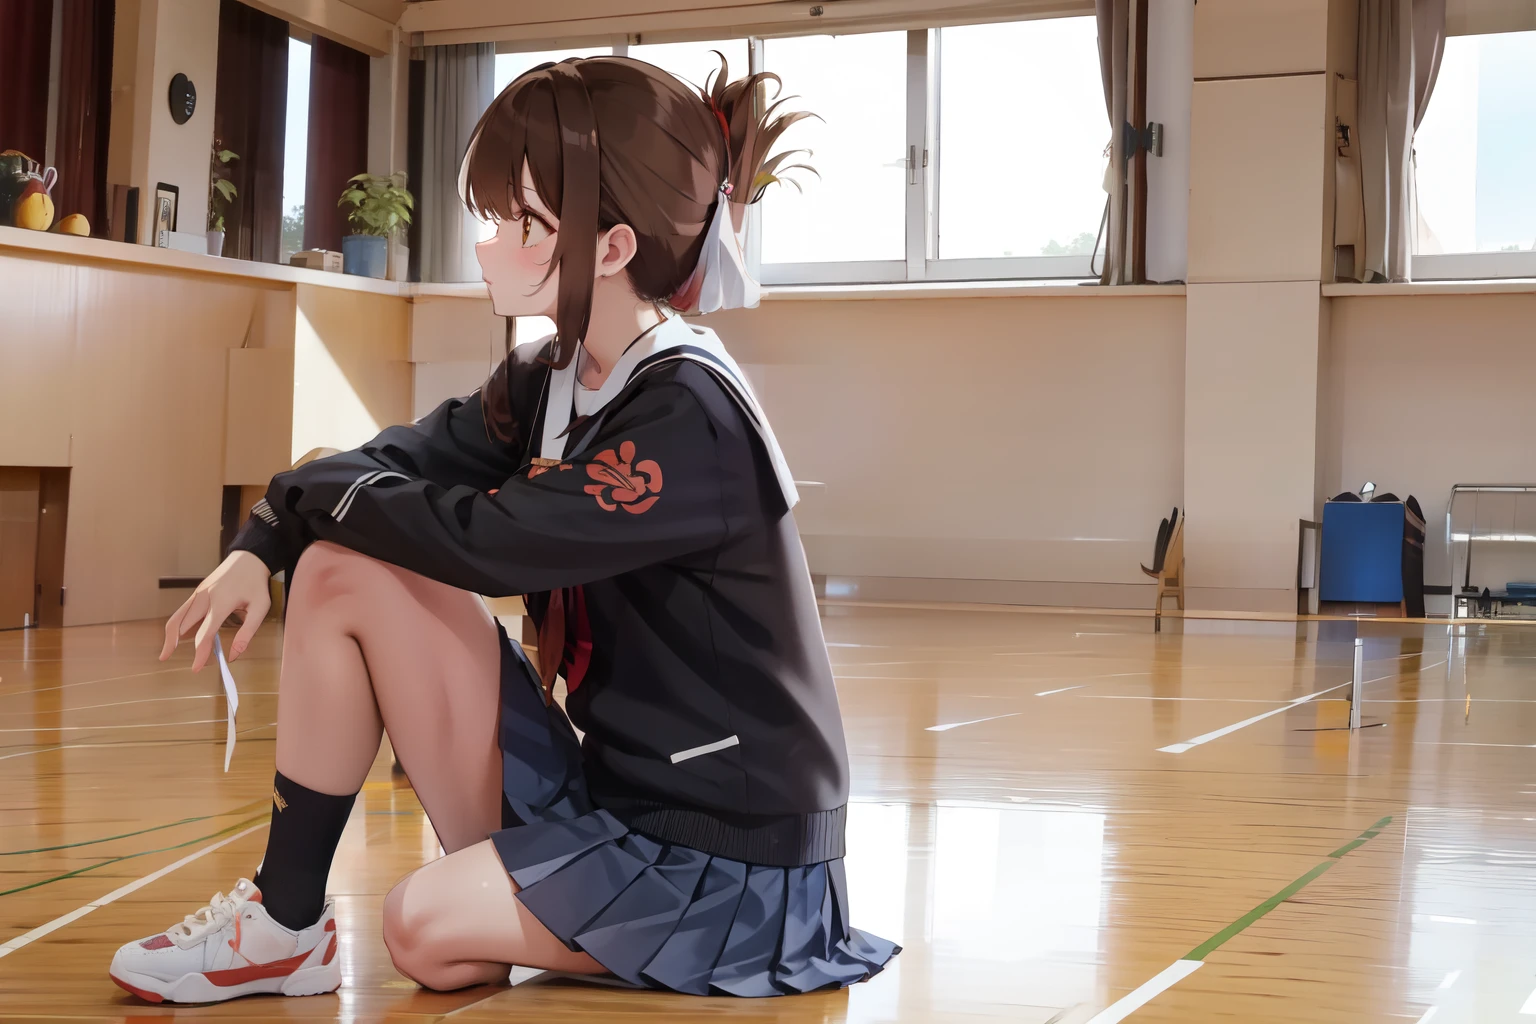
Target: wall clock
[(183, 98)]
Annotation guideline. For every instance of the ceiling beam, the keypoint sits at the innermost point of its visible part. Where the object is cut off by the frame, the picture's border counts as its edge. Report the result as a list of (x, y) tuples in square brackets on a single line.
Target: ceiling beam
[(442, 22), (334, 20)]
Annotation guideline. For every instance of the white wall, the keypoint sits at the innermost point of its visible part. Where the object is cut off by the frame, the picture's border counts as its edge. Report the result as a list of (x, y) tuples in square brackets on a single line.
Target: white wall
[(188, 42), (1170, 66), (1018, 439), (1432, 391), (1029, 441), (154, 40), (1250, 448)]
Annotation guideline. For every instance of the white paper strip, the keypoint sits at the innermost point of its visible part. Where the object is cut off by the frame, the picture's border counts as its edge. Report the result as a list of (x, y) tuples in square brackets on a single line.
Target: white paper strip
[(231, 698)]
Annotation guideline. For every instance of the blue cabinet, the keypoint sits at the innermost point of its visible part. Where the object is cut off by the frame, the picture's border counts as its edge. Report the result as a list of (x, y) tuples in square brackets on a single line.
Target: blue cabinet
[(1373, 553)]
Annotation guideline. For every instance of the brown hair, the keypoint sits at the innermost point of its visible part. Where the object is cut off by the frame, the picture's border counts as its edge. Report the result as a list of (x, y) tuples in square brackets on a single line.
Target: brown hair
[(613, 140)]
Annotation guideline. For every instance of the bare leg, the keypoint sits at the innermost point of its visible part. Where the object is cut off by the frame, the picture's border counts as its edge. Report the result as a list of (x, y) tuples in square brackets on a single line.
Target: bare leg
[(370, 645), (457, 921)]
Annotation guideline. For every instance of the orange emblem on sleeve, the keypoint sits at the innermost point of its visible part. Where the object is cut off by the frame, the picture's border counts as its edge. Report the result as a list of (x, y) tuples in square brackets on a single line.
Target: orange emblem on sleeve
[(621, 482)]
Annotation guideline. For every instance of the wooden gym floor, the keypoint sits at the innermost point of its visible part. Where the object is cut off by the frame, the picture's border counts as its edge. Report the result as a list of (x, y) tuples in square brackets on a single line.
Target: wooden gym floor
[(1052, 812)]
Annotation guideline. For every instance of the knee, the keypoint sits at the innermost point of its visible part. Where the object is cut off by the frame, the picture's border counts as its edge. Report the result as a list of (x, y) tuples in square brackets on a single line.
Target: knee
[(404, 927), (409, 927), (327, 570)]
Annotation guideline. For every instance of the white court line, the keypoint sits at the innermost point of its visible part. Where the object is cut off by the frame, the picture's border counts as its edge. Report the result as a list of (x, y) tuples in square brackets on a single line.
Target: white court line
[(129, 743), (1199, 700), (1466, 743), (1450, 979), (32, 936), (89, 682), (974, 721), (1530, 1004), (1179, 748), (1129, 1004), (1429, 1015), (1064, 689), (98, 728), (146, 700)]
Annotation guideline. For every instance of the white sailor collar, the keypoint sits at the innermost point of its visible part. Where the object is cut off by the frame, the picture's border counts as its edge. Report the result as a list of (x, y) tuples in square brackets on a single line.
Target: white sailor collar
[(671, 340)]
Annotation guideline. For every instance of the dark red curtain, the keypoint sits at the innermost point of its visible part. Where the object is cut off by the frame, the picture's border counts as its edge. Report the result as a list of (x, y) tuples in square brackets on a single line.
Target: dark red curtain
[(85, 110), (415, 111), (26, 32), (250, 118), (338, 137)]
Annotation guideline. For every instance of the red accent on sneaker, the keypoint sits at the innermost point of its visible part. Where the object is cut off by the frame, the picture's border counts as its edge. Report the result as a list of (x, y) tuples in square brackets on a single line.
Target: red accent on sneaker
[(158, 942), (240, 975), (255, 898), (148, 997), (330, 925), (330, 952)]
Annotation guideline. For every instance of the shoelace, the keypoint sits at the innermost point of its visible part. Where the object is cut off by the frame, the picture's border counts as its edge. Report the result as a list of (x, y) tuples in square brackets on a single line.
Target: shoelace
[(220, 911)]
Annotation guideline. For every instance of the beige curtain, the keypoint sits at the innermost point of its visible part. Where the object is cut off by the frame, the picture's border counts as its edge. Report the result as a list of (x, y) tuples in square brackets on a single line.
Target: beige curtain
[(1401, 43), (1114, 63), (460, 83)]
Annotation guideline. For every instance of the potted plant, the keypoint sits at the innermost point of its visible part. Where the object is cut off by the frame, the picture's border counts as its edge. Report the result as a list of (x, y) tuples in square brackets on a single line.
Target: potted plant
[(221, 192), (377, 207)]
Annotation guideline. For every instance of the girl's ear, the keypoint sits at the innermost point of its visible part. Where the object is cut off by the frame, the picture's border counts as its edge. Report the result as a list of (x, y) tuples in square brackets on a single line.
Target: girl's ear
[(615, 248)]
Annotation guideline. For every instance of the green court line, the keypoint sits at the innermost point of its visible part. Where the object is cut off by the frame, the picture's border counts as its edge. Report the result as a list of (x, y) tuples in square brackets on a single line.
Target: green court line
[(1215, 942), (131, 856), (140, 832)]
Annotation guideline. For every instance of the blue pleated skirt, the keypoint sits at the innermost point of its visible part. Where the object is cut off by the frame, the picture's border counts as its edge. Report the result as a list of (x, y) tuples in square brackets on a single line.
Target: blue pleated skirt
[(656, 914)]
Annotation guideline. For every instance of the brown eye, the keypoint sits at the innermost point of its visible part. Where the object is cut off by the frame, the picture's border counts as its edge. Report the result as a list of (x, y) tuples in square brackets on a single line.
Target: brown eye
[(534, 230)]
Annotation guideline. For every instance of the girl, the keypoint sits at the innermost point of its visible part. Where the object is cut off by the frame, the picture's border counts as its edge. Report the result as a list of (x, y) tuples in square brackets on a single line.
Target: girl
[(622, 477)]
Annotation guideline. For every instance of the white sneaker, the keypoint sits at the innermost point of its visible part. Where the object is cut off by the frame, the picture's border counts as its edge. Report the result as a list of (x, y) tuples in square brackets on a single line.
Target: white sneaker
[(231, 948)]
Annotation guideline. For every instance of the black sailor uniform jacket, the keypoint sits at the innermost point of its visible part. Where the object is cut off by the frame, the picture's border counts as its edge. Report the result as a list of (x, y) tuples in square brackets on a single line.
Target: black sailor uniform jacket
[(694, 657)]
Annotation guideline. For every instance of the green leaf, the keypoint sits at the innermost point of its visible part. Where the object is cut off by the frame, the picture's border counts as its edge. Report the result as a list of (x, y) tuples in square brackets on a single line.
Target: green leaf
[(378, 205)]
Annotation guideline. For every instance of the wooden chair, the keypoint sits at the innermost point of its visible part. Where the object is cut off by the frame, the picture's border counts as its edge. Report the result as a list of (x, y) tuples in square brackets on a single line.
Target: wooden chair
[(1169, 572)]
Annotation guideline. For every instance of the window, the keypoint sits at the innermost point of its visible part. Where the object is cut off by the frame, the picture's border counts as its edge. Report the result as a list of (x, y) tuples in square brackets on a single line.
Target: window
[(694, 63), (948, 154), (295, 148), (1021, 118), (509, 66), (963, 153), (1474, 152), (853, 208)]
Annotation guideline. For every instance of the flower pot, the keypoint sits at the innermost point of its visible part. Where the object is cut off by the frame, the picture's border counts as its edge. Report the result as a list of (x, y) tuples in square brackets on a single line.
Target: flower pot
[(215, 243), (364, 255)]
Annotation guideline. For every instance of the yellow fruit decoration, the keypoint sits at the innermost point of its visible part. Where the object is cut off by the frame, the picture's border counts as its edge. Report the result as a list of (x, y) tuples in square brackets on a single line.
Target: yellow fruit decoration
[(74, 224), (35, 211)]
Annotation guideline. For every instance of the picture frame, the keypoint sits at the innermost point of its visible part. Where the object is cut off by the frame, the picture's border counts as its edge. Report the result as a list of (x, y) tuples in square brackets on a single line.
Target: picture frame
[(167, 199)]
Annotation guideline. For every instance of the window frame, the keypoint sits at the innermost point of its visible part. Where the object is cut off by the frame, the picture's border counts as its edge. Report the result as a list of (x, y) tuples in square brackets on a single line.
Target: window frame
[(1474, 266), (921, 262), (924, 166)]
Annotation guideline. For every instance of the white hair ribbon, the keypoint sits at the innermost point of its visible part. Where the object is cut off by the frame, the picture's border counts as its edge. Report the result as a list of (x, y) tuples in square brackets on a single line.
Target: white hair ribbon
[(724, 281)]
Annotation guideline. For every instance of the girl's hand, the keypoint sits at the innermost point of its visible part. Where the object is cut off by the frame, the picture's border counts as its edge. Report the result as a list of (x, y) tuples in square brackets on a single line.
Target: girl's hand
[(240, 583)]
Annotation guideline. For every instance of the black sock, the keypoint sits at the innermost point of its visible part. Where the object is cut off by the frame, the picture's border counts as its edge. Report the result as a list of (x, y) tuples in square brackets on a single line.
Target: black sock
[(306, 826)]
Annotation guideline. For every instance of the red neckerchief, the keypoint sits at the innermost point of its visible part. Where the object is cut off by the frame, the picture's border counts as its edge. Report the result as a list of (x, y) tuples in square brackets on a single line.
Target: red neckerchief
[(559, 648)]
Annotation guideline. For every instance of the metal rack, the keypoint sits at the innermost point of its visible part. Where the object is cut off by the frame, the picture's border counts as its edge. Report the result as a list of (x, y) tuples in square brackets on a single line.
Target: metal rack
[(1463, 602)]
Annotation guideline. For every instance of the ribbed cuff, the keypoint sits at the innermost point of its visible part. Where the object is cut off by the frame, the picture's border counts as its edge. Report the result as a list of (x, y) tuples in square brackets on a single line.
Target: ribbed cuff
[(259, 536), (790, 840)]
